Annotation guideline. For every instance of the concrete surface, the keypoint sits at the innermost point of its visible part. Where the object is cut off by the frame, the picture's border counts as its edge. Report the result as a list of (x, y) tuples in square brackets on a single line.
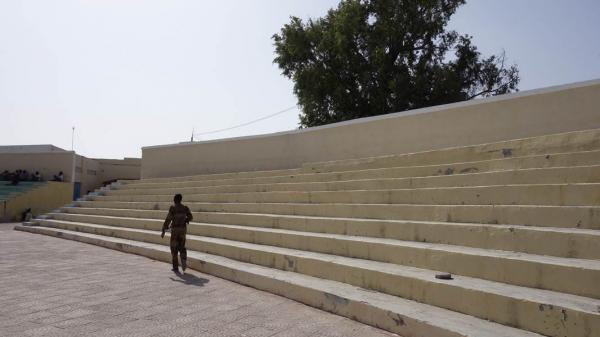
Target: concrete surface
[(52, 287)]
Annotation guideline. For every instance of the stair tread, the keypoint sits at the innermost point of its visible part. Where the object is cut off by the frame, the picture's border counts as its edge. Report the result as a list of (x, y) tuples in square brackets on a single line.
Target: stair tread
[(450, 188), (460, 323), (536, 295)]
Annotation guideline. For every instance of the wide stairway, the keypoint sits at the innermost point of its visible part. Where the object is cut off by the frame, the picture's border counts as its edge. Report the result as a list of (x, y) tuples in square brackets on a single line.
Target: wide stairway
[(516, 223)]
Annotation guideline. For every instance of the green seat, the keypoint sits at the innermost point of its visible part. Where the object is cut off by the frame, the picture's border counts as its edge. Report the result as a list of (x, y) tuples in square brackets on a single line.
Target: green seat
[(10, 191)]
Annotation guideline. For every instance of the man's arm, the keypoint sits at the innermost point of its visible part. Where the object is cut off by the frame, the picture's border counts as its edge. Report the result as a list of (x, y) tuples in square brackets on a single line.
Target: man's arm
[(167, 222), (188, 215)]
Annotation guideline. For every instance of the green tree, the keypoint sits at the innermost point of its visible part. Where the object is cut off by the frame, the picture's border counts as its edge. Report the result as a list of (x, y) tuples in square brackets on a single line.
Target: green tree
[(372, 57)]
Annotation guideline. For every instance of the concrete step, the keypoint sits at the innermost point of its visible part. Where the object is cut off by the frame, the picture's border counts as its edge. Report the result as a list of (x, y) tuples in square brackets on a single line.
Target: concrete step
[(559, 242), (554, 175), (534, 271), (405, 317), (548, 144), (586, 158), (552, 195), (229, 175), (586, 217)]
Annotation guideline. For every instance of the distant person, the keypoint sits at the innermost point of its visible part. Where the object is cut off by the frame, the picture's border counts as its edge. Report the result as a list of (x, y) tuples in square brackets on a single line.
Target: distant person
[(37, 176), (24, 176), (59, 177), (177, 219), (5, 175), (14, 179)]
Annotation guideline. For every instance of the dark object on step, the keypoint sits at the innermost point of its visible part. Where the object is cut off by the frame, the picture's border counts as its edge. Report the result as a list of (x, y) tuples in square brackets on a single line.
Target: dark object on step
[(444, 276)]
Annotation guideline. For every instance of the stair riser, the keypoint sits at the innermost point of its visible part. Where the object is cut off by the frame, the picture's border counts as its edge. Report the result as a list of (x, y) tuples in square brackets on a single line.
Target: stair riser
[(552, 195), (568, 217), (579, 141), (356, 310), (520, 239), (585, 174), (232, 175), (490, 306), (561, 160)]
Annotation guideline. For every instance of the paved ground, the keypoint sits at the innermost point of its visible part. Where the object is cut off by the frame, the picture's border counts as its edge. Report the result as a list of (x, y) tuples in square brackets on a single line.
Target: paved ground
[(56, 287)]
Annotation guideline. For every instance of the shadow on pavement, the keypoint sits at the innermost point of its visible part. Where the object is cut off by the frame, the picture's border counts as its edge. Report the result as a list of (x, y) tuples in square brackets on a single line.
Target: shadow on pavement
[(189, 279)]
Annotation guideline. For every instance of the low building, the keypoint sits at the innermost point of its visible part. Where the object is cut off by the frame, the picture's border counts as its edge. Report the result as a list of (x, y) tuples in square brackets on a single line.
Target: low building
[(86, 174)]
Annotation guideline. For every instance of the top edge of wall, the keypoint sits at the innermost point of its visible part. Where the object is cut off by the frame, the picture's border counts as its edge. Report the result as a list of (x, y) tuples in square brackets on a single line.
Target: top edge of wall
[(48, 153)]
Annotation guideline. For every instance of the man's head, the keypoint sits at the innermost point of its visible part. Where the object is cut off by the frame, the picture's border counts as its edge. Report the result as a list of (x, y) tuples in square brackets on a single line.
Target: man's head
[(177, 198)]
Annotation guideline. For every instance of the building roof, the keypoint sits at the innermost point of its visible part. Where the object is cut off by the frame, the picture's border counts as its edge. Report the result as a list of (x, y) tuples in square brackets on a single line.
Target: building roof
[(30, 148)]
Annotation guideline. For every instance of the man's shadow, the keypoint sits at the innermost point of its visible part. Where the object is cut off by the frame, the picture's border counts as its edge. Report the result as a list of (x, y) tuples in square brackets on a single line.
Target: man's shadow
[(189, 279)]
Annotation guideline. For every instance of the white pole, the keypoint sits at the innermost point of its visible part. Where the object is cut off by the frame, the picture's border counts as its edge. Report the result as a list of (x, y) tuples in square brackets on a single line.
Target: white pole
[(72, 138)]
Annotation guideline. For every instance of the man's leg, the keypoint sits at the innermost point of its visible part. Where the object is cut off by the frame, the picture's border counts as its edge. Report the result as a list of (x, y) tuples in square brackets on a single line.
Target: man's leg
[(182, 250), (174, 248)]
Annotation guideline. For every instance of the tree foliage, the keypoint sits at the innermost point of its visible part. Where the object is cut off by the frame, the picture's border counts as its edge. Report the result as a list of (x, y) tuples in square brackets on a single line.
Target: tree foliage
[(371, 57)]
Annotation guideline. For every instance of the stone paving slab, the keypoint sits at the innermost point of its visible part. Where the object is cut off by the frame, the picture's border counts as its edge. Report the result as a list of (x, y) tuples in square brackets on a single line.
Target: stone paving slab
[(55, 287)]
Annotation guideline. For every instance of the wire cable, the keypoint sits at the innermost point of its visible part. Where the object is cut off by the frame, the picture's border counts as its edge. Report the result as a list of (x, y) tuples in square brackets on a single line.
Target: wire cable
[(247, 123)]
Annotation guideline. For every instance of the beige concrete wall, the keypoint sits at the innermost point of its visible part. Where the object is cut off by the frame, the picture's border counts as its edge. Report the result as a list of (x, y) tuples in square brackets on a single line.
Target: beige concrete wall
[(41, 200), (532, 113), (93, 173), (47, 163), (87, 171), (128, 168)]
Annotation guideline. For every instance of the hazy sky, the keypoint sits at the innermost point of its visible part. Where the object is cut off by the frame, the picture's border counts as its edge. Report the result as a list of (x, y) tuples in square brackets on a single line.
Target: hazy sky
[(130, 73)]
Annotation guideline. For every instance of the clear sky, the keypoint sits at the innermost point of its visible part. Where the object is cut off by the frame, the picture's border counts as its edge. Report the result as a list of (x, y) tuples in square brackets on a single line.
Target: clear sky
[(133, 73)]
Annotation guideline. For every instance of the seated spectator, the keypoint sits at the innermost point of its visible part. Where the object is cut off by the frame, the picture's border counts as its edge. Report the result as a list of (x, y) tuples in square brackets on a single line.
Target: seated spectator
[(23, 175), (59, 177), (14, 180), (36, 176), (26, 215), (5, 175)]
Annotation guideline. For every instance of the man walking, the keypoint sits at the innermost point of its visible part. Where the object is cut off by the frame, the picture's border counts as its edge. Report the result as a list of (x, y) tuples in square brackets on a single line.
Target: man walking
[(179, 216)]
